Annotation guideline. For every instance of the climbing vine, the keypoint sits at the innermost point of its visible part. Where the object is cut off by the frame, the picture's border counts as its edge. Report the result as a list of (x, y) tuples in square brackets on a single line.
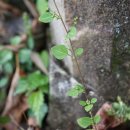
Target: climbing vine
[(62, 51)]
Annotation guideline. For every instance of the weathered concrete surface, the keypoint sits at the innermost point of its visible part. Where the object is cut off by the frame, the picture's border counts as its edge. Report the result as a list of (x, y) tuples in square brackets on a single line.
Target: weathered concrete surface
[(63, 110), (103, 32)]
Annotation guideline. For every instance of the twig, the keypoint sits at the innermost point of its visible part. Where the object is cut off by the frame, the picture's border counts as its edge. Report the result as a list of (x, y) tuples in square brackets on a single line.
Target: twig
[(37, 61), (12, 47), (94, 124), (31, 8), (15, 79), (15, 123)]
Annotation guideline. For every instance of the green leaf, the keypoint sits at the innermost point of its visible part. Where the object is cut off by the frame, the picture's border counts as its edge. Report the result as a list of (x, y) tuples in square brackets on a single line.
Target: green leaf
[(88, 102), (88, 107), (41, 114), (97, 119), (45, 58), (22, 86), (15, 40), (79, 51), (84, 122), (47, 17), (3, 82), (76, 90), (24, 55), (32, 82), (116, 105), (35, 101), (27, 23), (4, 120), (36, 79), (42, 6), (72, 33), (2, 96), (83, 103), (44, 89), (8, 68), (5, 56), (30, 41), (93, 100), (59, 51)]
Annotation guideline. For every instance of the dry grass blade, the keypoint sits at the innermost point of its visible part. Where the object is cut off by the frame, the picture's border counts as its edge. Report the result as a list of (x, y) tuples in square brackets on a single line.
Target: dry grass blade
[(37, 61), (15, 79), (31, 8)]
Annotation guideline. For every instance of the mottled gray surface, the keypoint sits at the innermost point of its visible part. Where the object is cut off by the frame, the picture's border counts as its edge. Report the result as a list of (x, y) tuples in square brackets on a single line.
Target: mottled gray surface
[(104, 33), (63, 110)]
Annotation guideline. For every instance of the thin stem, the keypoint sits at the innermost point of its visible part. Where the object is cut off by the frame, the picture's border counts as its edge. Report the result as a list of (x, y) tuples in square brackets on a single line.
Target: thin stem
[(94, 124), (83, 82), (15, 123), (25, 116)]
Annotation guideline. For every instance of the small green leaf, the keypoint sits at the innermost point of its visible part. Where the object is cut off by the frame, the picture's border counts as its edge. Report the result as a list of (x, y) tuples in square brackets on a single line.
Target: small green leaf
[(41, 114), (15, 40), (22, 86), (3, 82), (59, 51), (45, 58), (35, 101), (93, 100), (79, 51), (24, 55), (5, 56), (83, 103), (47, 17), (72, 33), (84, 122), (116, 105), (76, 90), (88, 107), (4, 120), (30, 41), (8, 68), (44, 89), (36, 79), (88, 102), (97, 119), (2, 95), (42, 6), (31, 82)]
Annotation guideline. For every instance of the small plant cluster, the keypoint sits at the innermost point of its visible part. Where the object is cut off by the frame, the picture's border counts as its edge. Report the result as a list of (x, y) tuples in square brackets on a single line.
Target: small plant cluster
[(120, 109), (35, 86), (86, 122), (60, 52)]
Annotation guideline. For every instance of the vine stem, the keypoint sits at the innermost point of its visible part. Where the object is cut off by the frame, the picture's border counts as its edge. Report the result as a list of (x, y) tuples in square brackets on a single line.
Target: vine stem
[(94, 124), (77, 64), (83, 82)]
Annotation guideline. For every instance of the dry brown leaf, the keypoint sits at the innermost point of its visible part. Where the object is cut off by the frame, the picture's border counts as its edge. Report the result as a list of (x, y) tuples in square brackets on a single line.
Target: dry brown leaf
[(107, 121), (33, 123), (37, 61), (16, 112)]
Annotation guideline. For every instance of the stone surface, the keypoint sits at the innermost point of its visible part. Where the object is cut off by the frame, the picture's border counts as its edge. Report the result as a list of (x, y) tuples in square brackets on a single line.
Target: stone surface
[(103, 31), (63, 110)]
